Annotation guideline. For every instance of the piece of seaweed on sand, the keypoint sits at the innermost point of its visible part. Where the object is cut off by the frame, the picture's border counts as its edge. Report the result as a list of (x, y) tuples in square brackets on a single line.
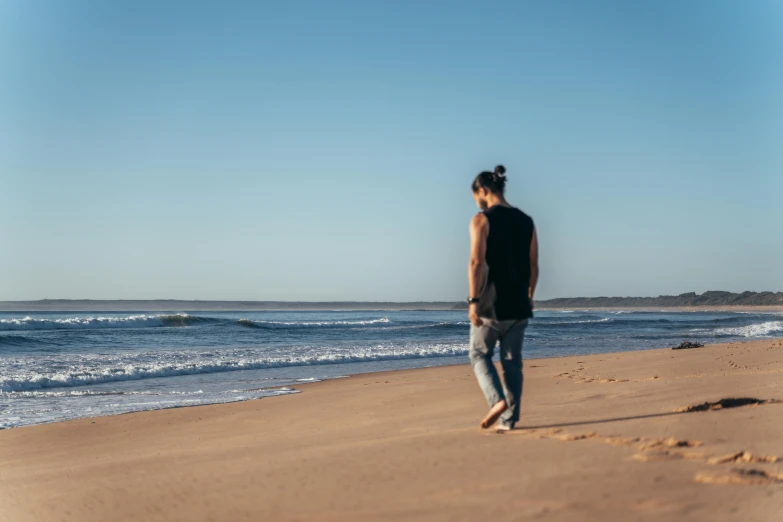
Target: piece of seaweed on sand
[(685, 345)]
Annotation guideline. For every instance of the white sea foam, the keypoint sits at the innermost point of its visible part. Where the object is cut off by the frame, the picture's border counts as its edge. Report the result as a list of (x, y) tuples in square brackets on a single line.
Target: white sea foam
[(23, 374), (324, 323), (24, 412), (130, 321), (584, 321), (753, 330), (418, 326), (88, 393)]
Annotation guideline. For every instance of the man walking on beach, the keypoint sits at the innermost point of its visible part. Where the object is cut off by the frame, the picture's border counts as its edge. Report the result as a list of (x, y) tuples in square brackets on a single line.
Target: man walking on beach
[(502, 278)]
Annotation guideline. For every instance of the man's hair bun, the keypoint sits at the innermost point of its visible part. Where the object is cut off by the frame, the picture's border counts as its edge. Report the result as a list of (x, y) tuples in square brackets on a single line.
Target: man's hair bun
[(492, 181)]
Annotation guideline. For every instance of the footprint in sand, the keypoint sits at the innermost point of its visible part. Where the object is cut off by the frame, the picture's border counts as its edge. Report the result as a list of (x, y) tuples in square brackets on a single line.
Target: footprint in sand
[(743, 457), (740, 476), (602, 381), (584, 380), (662, 449)]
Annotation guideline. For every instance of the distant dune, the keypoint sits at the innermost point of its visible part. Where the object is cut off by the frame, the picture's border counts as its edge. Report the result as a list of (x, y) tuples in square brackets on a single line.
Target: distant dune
[(688, 300), (691, 299)]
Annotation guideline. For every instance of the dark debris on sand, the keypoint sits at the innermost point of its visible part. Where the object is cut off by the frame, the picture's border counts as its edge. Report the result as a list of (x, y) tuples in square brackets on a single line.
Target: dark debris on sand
[(687, 344)]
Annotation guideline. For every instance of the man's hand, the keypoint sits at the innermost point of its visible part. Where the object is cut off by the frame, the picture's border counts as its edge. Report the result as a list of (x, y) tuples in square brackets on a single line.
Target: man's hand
[(474, 316)]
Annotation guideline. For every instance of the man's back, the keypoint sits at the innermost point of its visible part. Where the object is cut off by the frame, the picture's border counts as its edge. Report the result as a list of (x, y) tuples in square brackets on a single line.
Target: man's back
[(508, 259)]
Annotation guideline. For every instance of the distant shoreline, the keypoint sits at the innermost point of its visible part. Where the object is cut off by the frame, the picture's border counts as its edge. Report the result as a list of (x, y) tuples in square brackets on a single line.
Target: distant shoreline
[(172, 305), (710, 308)]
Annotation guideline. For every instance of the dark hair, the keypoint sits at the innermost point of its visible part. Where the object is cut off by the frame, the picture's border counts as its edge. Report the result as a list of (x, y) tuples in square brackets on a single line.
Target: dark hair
[(494, 182)]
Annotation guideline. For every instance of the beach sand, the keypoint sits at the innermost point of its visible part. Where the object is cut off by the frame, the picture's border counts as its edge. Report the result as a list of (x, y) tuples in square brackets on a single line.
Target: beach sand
[(606, 438)]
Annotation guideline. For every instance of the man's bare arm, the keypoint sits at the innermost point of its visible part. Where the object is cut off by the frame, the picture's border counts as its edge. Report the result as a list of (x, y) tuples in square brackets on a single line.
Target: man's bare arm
[(479, 229), (533, 264)]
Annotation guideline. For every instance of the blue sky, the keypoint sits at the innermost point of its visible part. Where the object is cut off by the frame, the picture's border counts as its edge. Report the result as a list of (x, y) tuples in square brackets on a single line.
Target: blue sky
[(324, 150)]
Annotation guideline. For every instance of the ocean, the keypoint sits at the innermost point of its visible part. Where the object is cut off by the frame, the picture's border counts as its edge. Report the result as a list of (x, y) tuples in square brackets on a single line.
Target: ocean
[(60, 366)]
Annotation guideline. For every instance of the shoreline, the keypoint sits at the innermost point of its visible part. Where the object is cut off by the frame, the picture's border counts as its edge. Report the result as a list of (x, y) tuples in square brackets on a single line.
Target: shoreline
[(295, 383), (605, 437), (307, 384)]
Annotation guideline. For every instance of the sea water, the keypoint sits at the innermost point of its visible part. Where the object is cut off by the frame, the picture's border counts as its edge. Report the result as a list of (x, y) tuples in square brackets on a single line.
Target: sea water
[(59, 366)]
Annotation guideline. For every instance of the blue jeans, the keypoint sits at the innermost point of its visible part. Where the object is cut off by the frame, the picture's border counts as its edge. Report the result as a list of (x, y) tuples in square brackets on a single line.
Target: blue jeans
[(483, 339)]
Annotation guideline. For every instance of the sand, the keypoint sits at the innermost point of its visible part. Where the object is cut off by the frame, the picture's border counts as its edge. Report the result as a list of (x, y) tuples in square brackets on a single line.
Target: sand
[(606, 438)]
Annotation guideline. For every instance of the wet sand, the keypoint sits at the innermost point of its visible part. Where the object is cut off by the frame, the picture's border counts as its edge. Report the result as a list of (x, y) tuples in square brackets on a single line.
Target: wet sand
[(607, 437)]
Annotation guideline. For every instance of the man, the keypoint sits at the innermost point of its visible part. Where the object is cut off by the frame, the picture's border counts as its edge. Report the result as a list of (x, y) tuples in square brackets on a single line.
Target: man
[(502, 279)]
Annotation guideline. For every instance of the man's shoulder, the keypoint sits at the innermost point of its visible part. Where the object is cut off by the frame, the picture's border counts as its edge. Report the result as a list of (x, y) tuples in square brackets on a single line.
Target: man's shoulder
[(479, 220)]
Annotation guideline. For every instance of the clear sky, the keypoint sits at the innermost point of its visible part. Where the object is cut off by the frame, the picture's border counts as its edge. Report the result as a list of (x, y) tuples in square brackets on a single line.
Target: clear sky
[(325, 150)]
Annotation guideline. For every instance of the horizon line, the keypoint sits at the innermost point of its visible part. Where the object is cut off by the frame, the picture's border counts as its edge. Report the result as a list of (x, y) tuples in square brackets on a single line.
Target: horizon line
[(379, 301)]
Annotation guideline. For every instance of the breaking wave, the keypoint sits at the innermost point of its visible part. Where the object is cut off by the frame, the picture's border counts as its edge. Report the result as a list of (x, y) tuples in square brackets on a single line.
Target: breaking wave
[(753, 330), (88, 393), (88, 323), (247, 322), (161, 320), (90, 370)]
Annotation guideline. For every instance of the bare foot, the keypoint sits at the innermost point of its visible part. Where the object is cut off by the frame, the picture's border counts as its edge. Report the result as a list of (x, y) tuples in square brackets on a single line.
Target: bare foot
[(494, 414)]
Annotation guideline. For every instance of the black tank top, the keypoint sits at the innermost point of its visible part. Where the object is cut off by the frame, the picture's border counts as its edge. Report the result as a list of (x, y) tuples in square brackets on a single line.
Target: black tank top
[(508, 258)]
